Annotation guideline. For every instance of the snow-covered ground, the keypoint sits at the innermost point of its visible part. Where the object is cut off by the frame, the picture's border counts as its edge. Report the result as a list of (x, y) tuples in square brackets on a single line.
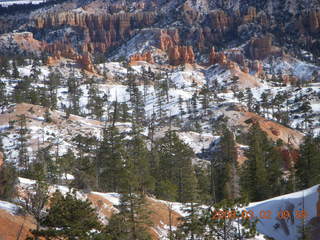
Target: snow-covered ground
[(20, 2), (9, 207), (272, 221)]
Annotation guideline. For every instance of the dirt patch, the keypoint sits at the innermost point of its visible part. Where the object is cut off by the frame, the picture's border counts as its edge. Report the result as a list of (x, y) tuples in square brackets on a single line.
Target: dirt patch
[(275, 131), (11, 226)]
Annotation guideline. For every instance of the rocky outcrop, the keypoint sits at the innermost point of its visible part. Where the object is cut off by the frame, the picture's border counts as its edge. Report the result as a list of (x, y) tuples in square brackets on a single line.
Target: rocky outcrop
[(61, 49), (314, 20), (189, 14), (146, 57), (86, 62), (168, 39), (251, 15), (181, 55), (234, 59), (26, 41), (1, 159), (100, 31), (273, 130), (219, 21), (222, 59), (309, 21), (260, 48), (289, 79), (215, 57), (20, 42), (257, 68)]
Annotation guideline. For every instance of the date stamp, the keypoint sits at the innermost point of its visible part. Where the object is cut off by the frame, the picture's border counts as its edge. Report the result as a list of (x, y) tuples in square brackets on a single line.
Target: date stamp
[(262, 214)]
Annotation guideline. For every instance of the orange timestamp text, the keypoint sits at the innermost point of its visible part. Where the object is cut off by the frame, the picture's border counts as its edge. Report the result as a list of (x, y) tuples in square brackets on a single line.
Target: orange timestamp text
[(262, 214)]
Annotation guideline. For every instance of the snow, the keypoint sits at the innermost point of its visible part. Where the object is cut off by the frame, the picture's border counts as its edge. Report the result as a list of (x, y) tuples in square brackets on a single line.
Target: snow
[(184, 79), (68, 176), (8, 207), (114, 198), (26, 181), (17, 2), (197, 141), (289, 228), (175, 206)]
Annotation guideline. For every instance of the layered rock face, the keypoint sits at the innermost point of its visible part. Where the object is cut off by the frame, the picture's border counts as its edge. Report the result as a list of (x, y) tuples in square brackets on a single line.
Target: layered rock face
[(181, 55), (235, 59), (20, 42), (186, 31), (170, 42), (100, 32)]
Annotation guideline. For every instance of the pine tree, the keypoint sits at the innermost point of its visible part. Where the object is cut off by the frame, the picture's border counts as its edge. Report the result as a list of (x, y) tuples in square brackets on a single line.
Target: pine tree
[(254, 179), (249, 99), (35, 201), (175, 168), (69, 218), (21, 91), (4, 66), (138, 165), (123, 112), (35, 70), (110, 160), (15, 72), (66, 164), (3, 96), (132, 222), (8, 179), (204, 98), (74, 94), (192, 226), (54, 80), (308, 164), (23, 135), (226, 168)]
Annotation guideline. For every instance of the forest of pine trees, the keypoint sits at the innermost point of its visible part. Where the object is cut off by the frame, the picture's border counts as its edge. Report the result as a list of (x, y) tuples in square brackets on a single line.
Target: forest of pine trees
[(139, 166)]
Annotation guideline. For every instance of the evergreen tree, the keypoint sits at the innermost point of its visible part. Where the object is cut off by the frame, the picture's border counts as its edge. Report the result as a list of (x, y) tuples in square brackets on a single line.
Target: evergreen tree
[(204, 98), (69, 218), (175, 168), (262, 168), (23, 135), (8, 179), (192, 226), (35, 70), (138, 165), (4, 66), (249, 99), (66, 164), (21, 92), (35, 201), (54, 80), (3, 96), (96, 102), (110, 160), (132, 222), (15, 72), (226, 168), (74, 92), (308, 164), (123, 112)]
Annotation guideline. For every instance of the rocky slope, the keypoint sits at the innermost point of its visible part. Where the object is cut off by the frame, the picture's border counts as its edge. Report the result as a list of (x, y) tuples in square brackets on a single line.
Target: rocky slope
[(185, 31), (194, 47), (14, 221)]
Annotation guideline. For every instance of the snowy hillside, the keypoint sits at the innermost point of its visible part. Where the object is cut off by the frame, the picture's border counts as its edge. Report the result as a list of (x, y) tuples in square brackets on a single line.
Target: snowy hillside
[(282, 218)]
